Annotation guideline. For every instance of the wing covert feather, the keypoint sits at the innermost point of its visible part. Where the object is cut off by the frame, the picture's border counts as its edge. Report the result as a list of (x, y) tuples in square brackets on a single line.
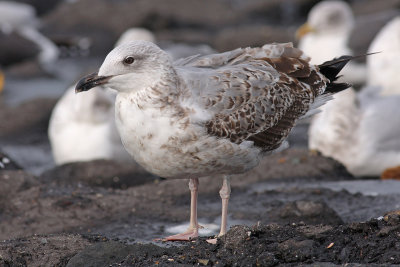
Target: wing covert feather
[(253, 94)]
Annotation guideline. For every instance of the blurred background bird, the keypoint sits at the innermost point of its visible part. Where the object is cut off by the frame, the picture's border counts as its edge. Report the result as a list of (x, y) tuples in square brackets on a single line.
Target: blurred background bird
[(361, 129), (21, 19), (326, 35), (383, 68)]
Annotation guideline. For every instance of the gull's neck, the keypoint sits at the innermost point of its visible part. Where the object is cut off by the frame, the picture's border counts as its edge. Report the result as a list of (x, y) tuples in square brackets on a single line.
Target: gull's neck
[(163, 93)]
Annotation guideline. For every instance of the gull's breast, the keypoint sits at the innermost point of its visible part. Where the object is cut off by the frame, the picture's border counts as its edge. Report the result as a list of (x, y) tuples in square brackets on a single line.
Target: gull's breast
[(168, 145)]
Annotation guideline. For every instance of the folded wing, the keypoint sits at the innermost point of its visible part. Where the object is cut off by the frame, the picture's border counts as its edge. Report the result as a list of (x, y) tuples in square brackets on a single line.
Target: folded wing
[(253, 94)]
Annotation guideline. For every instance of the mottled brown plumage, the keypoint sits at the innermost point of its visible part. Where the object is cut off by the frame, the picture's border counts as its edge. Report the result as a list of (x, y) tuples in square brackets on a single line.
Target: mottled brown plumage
[(268, 95)]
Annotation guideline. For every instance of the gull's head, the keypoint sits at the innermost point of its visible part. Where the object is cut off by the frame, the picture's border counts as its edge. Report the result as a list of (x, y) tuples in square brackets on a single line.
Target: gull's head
[(328, 17), (129, 67)]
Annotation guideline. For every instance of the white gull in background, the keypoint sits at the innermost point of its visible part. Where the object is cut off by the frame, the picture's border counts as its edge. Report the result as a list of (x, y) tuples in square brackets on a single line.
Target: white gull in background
[(359, 130), (384, 68), (215, 114), (362, 130), (82, 127), (21, 18), (325, 35)]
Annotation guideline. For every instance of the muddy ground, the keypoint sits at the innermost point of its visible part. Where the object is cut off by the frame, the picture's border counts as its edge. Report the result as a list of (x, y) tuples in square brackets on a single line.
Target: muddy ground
[(296, 208)]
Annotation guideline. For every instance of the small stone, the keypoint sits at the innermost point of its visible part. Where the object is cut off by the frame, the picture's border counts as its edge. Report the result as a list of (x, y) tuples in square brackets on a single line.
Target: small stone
[(203, 262), (393, 217)]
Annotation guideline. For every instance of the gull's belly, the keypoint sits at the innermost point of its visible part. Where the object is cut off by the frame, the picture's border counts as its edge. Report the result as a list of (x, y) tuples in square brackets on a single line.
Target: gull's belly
[(168, 146)]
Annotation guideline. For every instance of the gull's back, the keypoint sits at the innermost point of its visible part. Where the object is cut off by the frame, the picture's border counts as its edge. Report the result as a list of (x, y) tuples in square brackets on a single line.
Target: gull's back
[(251, 94)]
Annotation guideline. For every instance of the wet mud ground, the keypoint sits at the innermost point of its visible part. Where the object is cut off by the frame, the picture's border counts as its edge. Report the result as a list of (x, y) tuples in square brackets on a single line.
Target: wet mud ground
[(297, 208)]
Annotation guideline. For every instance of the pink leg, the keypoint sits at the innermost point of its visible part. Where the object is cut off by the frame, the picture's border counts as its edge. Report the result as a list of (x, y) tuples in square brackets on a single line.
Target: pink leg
[(225, 193), (193, 230)]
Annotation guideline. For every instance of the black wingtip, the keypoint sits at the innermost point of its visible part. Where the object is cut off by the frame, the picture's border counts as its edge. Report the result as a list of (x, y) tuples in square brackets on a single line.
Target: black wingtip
[(330, 69)]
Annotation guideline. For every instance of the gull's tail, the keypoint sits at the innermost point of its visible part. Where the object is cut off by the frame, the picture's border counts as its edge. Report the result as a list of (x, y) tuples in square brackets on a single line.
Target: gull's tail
[(330, 69)]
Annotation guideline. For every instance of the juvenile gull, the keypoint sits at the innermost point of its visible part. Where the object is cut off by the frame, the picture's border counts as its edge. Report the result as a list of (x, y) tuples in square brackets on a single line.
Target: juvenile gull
[(82, 127), (215, 114)]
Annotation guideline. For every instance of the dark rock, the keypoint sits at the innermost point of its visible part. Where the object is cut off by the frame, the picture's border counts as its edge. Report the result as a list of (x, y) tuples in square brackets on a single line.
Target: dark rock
[(387, 230), (393, 217), (27, 69), (292, 250), (266, 259), (42, 6), (105, 173), (6, 163), (12, 182), (113, 253), (236, 236), (310, 212), (29, 120), (100, 254), (156, 15), (315, 231), (16, 49), (50, 250), (148, 254)]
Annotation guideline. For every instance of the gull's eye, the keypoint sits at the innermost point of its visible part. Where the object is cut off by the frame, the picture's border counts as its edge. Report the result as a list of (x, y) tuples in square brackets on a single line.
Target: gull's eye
[(129, 60)]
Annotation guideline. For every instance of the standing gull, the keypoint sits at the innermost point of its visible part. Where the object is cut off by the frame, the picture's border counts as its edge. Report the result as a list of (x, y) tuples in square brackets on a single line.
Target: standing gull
[(326, 34), (215, 114)]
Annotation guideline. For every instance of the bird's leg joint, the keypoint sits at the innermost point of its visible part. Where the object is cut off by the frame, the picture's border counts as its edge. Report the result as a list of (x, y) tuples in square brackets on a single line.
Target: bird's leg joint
[(225, 191)]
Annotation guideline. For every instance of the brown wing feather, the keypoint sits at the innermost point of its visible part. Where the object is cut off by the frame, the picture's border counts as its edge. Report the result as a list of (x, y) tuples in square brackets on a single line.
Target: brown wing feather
[(273, 137), (265, 115)]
